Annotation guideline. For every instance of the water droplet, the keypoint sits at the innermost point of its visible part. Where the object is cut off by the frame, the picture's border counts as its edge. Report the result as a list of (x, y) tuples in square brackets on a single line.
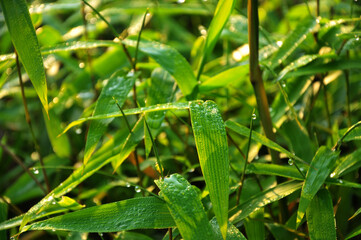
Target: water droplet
[(256, 157), (53, 230), (81, 65), (127, 184), (332, 175), (137, 189), (191, 170), (181, 1), (283, 84), (35, 171), (279, 61), (78, 131), (254, 116), (53, 202), (290, 161), (340, 181), (270, 109), (100, 234)]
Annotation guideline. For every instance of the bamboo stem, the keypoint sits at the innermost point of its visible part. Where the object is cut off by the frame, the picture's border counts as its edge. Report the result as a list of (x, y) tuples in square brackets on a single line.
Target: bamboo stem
[(258, 86)]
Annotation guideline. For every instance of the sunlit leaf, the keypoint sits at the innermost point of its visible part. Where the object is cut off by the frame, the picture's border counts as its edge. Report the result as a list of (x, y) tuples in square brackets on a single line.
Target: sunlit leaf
[(136, 213), (319, 170), (211, 142), (23, 36), (320, 217), (186, 208)]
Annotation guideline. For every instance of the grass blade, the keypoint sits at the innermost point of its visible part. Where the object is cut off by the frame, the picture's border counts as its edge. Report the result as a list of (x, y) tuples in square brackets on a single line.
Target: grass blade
[(319, 170), (23, 36), (244, 131), (118, 86), (262, 199), (185, 207), (136, 213), (221, 15), (211, 142), (232, 232), (349, 163), (320, 217), (171, 60)]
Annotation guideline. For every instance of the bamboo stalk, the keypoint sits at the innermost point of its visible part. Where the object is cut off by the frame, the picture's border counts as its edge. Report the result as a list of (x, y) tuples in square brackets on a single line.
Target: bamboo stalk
[(258, 86)]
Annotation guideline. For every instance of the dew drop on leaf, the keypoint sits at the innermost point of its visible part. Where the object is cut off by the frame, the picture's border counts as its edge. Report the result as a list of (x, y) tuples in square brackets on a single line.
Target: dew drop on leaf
[(290, 161)]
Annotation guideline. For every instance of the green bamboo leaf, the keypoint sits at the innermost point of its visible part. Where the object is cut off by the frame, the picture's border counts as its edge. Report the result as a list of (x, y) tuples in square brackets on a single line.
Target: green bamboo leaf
[(300, 62), (349, 163), (160, 91), (244, 131), (132, 236), (112, 151), (136, 213), (354, 233), (262, 199), (293, 40), (171, 60), (185, 207), (118, 88), (224, 78), (23, 36), (319, 170), (320, 218), (232, 232), (211, 142), (355, 214), (10, 223), (3, 217), (155, 108), (61, 144), (220, 18)]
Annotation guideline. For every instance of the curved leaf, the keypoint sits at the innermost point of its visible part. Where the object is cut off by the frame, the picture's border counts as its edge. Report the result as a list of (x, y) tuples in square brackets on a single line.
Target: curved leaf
[(186, 208), (23, 36), (211, 142), (136, 213)]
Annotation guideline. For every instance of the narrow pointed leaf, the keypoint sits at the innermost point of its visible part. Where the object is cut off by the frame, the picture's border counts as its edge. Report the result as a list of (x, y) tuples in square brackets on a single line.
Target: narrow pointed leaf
[(296, 37), (171, 60), (211, 142), (109, 153), (254, 226), (244, 131), (136, 213), (262, 199), (185, 207), (118, 87), (3, 217), (349, 163), (23, 36), (302, 61), (232, 232), (320, 217), (220, 18), (160, 91), (155, 108), (319, 170)]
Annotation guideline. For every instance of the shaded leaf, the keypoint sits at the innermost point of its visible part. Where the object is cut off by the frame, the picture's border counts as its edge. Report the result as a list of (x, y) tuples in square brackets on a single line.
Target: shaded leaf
[(211, 142), (232, 232), (136, 213), (319, 170), (254, 225), (186, 208), (118, 88), (23, 36), (320, 217), (349, 163)]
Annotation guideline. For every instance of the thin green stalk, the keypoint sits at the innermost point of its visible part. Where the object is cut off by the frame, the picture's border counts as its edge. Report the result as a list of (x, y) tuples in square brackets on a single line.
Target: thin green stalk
[(138, 39), (235, 144), (28, 121), (325, 98), (170, 233), (257, 83), (348, 100), (115, 33), (155, 150), (253, 117), (21, 164), (339, 142)]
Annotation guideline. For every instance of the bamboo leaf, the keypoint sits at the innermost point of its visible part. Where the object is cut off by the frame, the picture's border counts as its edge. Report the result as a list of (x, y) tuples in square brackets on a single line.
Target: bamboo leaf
[(300, 62), (244, 131), (296, 37), (224, 78), (171, 60), (155, 108), (232, 232), (254, 225), (354, 233), (211, 142), (136, 213), (186, 208), (23, 36), (320, 217), (319, 170), (108, 153), (349, 163), (262, 199), (221, 15), (3, 217), (117, 88), (160, 91)]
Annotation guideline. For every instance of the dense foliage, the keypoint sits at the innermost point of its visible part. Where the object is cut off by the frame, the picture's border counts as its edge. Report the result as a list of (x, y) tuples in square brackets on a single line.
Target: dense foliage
[(142, 119)]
